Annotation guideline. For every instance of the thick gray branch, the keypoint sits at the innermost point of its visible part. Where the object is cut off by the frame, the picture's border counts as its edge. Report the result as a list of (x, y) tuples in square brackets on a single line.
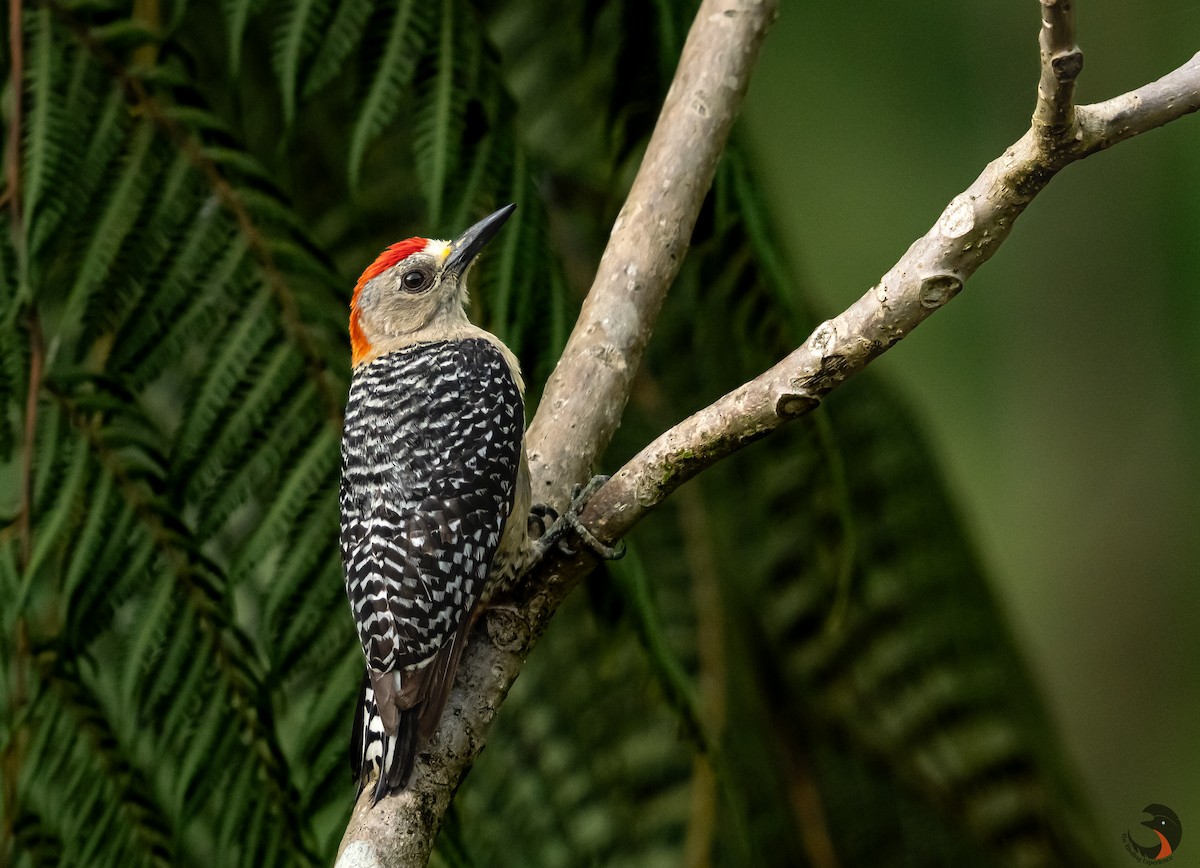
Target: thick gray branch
[(585, 396)]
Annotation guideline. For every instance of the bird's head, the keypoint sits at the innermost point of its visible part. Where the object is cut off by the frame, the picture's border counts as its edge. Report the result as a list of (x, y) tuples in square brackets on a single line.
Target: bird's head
[(1165, 822), (416, 290)]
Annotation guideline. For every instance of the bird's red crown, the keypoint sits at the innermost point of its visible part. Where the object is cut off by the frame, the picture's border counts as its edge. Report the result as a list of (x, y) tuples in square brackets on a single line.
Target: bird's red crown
[(360, 347)]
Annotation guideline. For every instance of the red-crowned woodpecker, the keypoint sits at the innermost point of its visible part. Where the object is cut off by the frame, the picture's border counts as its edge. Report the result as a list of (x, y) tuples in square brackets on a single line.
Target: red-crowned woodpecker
[(435, 488)]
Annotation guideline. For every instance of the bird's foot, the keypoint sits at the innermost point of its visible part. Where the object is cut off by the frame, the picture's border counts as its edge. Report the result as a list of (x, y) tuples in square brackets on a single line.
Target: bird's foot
[(555, 535), (541, 517)]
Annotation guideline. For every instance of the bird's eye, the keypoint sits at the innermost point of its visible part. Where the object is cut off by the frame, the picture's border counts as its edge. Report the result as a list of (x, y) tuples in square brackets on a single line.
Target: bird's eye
[(414, 280)]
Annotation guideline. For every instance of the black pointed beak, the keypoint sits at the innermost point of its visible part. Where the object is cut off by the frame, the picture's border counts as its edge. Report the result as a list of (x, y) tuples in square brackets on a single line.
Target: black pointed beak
[(466, 247)]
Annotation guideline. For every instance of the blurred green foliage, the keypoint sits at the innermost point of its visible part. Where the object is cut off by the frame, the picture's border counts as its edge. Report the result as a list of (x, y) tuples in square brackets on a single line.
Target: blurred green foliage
[(801, 657), (1059, 388)]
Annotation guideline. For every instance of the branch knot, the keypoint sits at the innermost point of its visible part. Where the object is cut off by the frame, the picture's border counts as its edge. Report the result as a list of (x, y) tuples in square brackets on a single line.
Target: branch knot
[(792, 405), (506, 628), (938, 289), (1067, 64)]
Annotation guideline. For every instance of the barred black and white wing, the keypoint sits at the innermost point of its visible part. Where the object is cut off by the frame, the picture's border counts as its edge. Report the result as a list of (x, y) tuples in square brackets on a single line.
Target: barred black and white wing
[(430, 455)]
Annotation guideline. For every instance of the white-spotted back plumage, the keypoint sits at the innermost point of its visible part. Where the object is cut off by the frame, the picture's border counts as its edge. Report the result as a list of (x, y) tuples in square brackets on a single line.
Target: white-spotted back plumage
[(430, 459), (435, 488)]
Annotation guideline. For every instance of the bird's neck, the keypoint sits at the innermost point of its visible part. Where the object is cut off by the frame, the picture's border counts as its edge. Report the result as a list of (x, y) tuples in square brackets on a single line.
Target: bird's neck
[(452, 330)]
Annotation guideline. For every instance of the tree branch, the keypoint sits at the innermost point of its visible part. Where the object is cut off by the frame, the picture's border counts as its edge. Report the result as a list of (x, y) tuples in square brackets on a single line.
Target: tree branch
[(1062, 61), (585, 396), (930, 273)]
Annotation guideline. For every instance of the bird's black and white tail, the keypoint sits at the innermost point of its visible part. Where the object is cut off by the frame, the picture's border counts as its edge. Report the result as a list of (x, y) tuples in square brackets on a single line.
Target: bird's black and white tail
[(373, 750)]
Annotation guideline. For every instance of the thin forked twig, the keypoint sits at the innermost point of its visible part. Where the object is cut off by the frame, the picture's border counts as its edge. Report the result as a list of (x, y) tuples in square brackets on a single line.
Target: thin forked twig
[(1061, 63)]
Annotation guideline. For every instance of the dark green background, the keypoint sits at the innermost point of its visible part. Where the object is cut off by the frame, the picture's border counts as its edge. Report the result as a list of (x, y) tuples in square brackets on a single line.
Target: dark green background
[(1060, 388)]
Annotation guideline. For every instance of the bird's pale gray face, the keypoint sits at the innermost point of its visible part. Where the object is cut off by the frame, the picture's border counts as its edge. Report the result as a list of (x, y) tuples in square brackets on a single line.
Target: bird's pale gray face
[(412, 295)]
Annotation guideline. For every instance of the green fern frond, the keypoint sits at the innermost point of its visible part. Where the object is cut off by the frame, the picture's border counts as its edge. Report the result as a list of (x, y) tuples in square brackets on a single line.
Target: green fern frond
[(243, 339), (104, 132), (918, 672), (407, 33), (68, 493), (297, 35), (633, 585), (119, 213), (173, 691), (36, 843), (185, 302), (114, 804), (521, 295), (315, 471), (237, 15), (251, 462), (306, 590), (157, 619), (579, 770), (42, 148), (125, 34), (11, 388), (62, 92), (120, 567), (147, 249), (50, 444), (234, 430), (440, 111), (160, 259), (321, 750), (506, 279), (339, 41)]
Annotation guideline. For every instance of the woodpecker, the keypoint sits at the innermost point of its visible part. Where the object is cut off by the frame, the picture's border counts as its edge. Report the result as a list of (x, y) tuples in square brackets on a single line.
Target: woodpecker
[(435, 495)]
